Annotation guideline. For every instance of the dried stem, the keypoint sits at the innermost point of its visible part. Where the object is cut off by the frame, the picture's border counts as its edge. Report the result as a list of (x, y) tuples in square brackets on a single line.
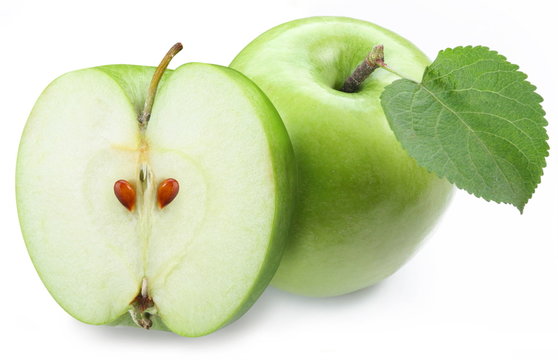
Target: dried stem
[(146, 113), (373, 60)]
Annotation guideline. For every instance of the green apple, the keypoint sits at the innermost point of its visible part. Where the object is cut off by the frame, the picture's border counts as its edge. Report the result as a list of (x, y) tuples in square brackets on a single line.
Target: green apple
[(364, 206), (177, 223)]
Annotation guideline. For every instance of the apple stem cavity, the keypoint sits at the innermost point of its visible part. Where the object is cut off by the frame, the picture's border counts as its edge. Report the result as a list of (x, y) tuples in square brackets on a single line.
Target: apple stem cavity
[(373, 60), (152, 91)]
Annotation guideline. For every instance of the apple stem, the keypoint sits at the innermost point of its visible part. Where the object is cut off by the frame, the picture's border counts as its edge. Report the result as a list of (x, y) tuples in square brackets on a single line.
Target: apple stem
[(146, 113), (373, 60), (386, 68)]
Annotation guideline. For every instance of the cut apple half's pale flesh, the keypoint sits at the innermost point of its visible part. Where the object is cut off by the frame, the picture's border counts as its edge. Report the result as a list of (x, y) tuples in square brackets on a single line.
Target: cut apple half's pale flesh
[(116, 253)]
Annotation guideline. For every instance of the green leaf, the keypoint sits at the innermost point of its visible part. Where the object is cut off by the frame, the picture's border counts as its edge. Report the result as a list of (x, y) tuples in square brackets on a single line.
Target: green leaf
[(475, 121)]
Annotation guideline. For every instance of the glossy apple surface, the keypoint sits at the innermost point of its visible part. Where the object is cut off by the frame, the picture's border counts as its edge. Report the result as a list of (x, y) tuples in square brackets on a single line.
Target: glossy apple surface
[(364, 206)]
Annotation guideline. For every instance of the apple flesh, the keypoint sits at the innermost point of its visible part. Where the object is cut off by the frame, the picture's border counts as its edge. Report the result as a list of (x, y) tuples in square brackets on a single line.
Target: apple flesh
[(191, 266), (364, 205)]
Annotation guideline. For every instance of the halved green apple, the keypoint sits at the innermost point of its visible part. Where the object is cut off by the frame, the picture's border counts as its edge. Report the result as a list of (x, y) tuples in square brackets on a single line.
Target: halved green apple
[(135, 252)]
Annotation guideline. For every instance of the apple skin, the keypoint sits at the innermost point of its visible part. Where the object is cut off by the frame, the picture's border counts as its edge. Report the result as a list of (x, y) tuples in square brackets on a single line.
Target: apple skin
[(364, 205)]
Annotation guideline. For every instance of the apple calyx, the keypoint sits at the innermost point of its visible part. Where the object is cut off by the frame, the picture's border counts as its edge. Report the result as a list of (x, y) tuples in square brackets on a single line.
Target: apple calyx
[(373, 60), (142, 308)]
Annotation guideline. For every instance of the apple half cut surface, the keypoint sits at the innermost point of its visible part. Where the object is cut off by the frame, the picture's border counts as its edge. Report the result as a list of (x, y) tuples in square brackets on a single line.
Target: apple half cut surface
[(178, 225)]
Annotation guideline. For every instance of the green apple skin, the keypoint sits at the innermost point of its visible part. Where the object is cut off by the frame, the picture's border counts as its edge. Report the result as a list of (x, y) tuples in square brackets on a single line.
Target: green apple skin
[(364, 206), (68, 212)]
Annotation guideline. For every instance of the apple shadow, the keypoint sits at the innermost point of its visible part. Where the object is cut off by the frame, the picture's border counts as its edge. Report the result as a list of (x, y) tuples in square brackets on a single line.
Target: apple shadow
[(271, 299)]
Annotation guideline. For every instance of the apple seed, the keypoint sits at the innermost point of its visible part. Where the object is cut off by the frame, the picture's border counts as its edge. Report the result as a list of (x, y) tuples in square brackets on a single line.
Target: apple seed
[(166, 192), (125, 193)]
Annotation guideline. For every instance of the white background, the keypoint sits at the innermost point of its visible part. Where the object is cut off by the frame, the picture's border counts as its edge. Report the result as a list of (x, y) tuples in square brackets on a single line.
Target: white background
[(485, 285)]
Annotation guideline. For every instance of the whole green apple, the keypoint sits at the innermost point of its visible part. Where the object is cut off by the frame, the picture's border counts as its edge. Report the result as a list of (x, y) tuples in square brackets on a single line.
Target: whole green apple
[(364, 205)]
